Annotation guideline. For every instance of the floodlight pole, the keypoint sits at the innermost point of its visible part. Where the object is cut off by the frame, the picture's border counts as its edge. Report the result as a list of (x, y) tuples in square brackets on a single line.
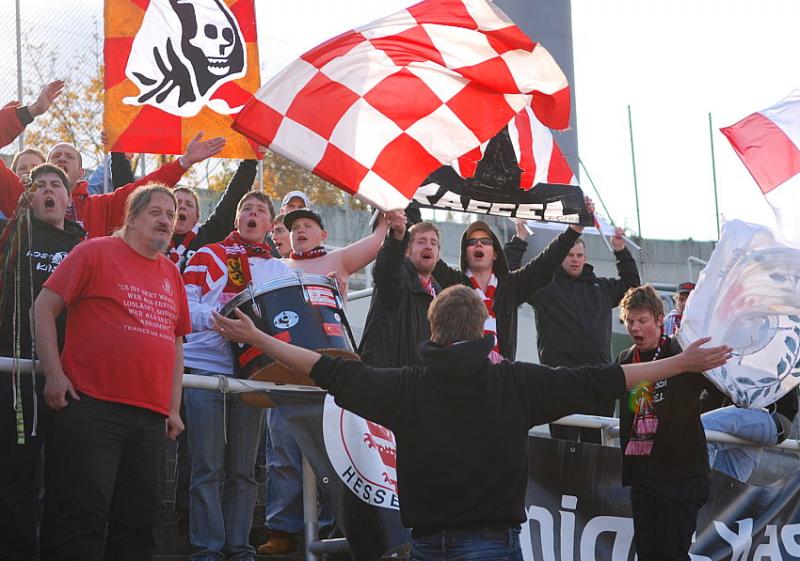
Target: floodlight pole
[(21, 137), (635, 183)]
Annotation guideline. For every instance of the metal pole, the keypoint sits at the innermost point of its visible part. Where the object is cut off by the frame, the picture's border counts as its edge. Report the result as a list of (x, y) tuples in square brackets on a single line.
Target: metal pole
[(21, 138), (713, 171), (260, 176), (635, 184), (311, 522), (597, 192)]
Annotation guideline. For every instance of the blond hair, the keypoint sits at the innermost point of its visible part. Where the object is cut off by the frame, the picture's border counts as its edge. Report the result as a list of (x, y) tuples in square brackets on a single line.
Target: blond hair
[(643, 298)]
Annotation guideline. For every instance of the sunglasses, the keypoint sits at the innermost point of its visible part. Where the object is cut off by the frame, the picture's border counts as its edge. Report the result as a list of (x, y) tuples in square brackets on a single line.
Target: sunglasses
[(482, 241)]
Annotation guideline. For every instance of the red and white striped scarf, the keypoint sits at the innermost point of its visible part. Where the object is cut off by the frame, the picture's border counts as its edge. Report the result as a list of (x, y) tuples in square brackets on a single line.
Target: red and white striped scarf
[(490, 326), (176, 252)]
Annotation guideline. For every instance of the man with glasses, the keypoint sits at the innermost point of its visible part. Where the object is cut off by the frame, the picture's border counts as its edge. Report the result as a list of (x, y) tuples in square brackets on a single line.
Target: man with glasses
[(485, 269)]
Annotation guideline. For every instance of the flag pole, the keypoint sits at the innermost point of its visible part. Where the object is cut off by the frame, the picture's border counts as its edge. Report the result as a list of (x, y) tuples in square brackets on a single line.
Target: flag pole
[(597, 192), (713, 170), (635, 183), (260, 175), (21, 139)]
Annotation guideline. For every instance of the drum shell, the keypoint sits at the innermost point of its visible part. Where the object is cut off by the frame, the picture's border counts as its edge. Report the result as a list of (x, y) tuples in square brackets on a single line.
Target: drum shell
[(286, 314)]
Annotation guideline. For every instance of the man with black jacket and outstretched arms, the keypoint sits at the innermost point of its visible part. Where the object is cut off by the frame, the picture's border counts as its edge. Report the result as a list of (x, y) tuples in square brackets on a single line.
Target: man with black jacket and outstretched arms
[(460, 419)]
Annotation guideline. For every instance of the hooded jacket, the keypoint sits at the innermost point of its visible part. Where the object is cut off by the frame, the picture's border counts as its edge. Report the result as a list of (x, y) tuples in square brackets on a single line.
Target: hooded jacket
[(461, 425), (398, 314), (573, 315), (50, 245), (514, 288)]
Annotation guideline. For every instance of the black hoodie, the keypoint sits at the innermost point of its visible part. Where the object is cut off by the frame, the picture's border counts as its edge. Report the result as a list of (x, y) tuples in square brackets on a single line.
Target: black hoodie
[(461, 425), (514, 288), (49, 247)]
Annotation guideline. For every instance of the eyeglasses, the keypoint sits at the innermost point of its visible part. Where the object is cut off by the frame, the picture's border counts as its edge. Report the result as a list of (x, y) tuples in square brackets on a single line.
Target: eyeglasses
[(482, 241)]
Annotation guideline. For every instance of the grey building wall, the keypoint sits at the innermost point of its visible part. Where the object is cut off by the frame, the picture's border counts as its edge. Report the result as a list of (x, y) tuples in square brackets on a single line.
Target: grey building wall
[(549, 22)]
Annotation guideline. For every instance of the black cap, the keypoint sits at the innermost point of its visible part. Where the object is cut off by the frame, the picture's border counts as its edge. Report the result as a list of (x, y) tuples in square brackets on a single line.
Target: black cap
[(685, 287), (290, 217)]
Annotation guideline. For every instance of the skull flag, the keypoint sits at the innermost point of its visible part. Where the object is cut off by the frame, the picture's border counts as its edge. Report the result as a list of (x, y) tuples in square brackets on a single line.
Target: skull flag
[(379, 108), (176, 67), (748, 297)]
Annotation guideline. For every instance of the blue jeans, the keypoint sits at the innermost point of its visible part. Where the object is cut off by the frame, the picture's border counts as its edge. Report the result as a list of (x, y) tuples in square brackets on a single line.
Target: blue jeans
[(467, 545), (755, 425), (223, 488), (284, 510)]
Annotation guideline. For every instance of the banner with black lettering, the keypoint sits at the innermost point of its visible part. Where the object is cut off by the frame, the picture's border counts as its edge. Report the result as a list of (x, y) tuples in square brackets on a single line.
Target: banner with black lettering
[(497, 182), (578, 510)]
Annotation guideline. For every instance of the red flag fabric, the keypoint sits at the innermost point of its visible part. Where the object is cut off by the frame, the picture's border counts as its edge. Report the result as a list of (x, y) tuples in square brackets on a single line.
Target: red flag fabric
[(768, 143), (377, 109), (538, 155)]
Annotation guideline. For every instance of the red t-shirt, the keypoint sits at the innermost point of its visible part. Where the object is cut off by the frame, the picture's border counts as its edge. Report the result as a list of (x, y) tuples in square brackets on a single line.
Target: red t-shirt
[(124, 312)]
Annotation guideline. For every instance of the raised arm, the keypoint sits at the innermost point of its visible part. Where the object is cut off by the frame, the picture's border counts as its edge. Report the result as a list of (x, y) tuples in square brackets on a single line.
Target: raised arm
[(14, 117), (359, 254), (516, 247), (539, 271), (121, 170), (626, 268), (220, 223)]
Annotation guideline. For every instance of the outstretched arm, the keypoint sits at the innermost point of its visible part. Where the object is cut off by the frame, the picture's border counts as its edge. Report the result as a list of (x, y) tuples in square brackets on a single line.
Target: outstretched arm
[(692, 359), (358, 255)]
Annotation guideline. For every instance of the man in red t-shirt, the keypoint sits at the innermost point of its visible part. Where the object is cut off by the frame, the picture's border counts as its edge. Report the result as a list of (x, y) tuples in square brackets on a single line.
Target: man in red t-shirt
[(116, 388)]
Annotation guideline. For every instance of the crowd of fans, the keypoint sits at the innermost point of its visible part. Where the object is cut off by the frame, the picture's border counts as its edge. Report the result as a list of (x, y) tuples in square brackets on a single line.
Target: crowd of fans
[(116, 293)]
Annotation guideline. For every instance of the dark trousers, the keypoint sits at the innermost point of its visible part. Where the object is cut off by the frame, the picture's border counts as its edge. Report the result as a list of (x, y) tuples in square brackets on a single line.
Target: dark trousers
[(563, 432), (25, 511), (665, 516), (183, 468), (110, 466)]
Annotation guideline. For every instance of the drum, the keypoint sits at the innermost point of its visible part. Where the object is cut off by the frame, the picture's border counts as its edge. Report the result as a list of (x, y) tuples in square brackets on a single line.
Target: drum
[(304, 310)]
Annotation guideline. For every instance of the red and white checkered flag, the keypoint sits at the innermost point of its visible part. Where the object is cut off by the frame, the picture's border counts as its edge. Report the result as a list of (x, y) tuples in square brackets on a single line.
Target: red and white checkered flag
[(538, 155), (377, 109)]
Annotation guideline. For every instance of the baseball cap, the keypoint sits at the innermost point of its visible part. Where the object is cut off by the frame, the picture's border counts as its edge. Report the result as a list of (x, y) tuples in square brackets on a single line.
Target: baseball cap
[(290, 217), (685, 287), (295, 194)]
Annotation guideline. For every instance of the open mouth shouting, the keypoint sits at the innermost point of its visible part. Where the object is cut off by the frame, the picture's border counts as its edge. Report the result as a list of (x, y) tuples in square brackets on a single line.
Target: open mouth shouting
[(252, 223), (479, 254), (181, 217), (49, 202)]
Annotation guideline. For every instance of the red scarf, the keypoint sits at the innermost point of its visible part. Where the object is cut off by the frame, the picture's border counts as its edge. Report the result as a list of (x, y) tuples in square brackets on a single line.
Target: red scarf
[(427, 285), (645, 415), (177, 252), (318, 251), (239, 269), (491, 322)]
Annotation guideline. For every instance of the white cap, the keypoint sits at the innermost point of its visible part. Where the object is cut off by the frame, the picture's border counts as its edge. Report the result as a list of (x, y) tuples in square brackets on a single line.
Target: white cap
[(295, 194)]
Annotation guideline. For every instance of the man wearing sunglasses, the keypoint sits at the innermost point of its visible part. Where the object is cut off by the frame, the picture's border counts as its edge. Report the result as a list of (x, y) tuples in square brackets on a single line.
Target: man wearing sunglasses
[(485, 269)]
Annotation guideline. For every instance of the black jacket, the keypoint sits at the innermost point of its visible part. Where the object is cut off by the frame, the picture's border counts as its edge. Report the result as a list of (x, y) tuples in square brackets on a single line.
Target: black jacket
[(398, 315), (573, 315), (513, 287), (461, 425), (220, 223), (679, 448), (49, 247)]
